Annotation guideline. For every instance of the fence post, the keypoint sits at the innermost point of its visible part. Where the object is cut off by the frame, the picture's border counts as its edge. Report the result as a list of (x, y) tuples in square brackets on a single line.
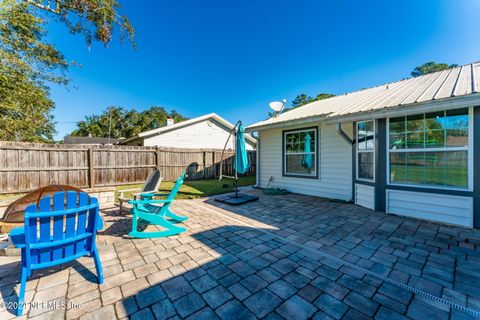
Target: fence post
[(204, 165), (214, 164), (91, 173), (157, 153)]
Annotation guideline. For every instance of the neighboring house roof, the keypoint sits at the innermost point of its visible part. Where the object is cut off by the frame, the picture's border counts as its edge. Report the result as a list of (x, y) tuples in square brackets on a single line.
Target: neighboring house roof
[(90, 140), (179, 125), (442, 85)]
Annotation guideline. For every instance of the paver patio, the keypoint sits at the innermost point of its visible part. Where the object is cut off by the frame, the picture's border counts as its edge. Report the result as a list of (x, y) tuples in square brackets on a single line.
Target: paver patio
[(292, 257)]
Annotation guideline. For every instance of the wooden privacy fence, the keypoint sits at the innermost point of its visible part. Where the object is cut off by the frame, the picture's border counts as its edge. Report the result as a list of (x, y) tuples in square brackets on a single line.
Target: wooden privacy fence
[(28, 166)]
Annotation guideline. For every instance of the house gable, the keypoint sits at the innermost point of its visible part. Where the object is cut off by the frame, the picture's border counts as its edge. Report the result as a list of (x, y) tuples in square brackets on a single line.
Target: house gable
[(207, 134)]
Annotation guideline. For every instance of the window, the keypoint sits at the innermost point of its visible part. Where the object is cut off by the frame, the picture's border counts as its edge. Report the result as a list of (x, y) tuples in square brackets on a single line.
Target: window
[(365, 150), (300, 152), (430, 149)]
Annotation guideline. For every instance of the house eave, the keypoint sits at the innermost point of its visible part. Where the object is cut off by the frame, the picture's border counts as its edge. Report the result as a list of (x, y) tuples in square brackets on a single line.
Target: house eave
[(471, 100), (288, 123), (419, 107)]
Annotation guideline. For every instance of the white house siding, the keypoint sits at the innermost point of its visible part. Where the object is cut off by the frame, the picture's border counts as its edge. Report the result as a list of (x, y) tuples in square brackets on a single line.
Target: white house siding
[(436, 207), (206, 134), (365, 196), (335, 163)]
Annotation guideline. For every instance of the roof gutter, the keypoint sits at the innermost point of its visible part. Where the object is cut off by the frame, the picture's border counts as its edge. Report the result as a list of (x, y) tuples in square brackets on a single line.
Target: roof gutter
[(286, 123), (135, 137), (419, 107), (471, 100)]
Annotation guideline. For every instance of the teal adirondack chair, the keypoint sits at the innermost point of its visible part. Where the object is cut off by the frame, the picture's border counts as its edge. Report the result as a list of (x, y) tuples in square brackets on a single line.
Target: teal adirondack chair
[(145, 211), (55, 234)]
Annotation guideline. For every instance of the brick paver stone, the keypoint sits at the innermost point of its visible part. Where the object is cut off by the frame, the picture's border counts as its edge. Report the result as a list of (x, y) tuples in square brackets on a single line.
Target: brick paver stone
[(217, 296), (189, 304), (111, 295), (239, 291), (234, 310), (331, 306), (297, 280), (204, 314), (419, 310), (149, 296), (395, 293), (107, 312), (254, 283), (282, 289), (357, 285), (176, 288), (388, 314), (135, 286), (81, 299), (262, 303), (163, 309), (330, 287), (53, 280), (268, 274), (144, 314), (353, 314), (204, 283), (390, 303), (145, 270), (87, 308), (81, 288), (296, 308), (361, 303), (117, 280)]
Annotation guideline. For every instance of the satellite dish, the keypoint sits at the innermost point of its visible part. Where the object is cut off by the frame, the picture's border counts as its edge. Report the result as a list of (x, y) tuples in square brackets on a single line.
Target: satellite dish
[(277, 106)]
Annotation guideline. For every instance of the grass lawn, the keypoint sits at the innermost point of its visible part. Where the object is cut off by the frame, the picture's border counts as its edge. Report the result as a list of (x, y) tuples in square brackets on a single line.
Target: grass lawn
[(194, 188), (11, 196), (432, 175)]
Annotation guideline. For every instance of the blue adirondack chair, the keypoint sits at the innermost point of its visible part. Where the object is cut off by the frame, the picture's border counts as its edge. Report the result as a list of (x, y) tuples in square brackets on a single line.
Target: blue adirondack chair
[(145, 211), (74, 224)]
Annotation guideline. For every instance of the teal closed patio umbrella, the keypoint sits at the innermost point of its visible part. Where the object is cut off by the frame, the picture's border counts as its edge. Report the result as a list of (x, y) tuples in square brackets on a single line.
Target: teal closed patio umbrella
[(307, 158), (241, 163)]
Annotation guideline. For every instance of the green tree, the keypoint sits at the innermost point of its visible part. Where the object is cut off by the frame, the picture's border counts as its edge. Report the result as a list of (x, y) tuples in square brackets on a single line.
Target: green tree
[(302, 99), (29, 63), (119, 122), (322, 96), (430, 67)]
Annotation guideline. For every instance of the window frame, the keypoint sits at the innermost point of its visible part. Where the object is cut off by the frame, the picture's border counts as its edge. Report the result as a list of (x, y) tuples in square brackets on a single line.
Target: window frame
[(316, 153), (445, 149), (357, 151)]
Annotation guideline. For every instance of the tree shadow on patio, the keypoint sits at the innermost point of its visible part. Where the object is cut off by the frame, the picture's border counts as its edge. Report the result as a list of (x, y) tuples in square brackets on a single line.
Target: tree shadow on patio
[(205, 282), (436, 258), (10, 279), (255, 275)]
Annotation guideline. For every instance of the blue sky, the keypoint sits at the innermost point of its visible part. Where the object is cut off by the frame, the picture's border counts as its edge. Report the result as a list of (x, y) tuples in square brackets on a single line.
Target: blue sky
[(233, 57)]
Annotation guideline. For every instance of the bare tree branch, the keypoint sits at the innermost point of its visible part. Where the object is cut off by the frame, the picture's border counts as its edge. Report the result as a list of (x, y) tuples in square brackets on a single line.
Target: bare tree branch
[(47, 7)]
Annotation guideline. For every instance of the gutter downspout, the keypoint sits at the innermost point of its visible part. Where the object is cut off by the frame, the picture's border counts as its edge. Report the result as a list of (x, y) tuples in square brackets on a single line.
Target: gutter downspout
[(342, 133), (257, 165), (351, 142)]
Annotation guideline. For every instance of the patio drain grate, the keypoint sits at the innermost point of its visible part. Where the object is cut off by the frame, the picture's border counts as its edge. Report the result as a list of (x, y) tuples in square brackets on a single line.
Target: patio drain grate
[(430, 296)]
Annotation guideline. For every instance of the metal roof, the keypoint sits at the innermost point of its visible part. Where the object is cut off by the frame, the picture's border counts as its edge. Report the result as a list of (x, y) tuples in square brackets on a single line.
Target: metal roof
[(178, 125), (455, 82), (90, 140)]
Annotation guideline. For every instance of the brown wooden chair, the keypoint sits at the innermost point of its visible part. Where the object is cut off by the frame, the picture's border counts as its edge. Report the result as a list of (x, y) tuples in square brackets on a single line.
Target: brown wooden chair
[(151, 186)]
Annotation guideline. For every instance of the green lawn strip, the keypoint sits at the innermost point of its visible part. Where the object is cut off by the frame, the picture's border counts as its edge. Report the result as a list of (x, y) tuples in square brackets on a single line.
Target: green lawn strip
[(193, 189), (11, 196)]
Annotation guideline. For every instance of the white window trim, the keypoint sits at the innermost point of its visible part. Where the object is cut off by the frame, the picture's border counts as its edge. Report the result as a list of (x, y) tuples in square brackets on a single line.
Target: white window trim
[(469, 150), (314, 153), (365, 151)]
